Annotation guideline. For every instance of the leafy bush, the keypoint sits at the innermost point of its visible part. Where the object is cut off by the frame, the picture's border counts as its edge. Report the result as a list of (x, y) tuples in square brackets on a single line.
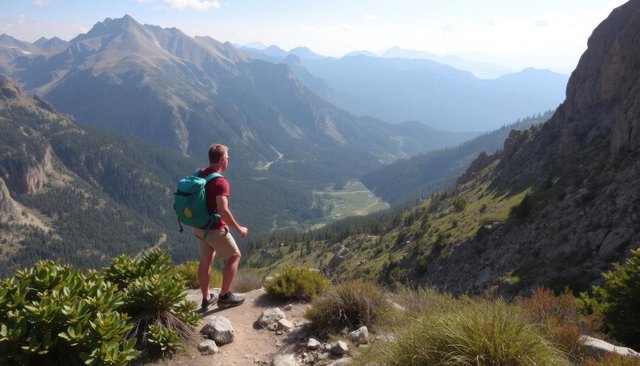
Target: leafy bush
[(558, 316), (153, 295), (54, 315), (167, 340), (618, 300), (296, 283), (246, 281), (350, 304), (188, 272), (469, 332)]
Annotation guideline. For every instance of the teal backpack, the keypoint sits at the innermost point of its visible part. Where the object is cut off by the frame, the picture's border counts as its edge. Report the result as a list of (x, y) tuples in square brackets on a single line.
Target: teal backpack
[(190, 202)]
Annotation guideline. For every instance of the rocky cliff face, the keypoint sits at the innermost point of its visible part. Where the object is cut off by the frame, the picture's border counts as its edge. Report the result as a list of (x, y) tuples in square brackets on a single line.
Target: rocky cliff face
[(587, 156), (8, 208), (24, 166)]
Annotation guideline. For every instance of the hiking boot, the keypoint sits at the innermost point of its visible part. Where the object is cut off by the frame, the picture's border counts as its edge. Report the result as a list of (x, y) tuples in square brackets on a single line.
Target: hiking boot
[(230, 299), (204, 305)]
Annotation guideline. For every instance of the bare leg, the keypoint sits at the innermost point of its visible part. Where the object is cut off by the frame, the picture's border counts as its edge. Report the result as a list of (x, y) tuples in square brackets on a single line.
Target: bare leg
[(203, 272), (230, 270)]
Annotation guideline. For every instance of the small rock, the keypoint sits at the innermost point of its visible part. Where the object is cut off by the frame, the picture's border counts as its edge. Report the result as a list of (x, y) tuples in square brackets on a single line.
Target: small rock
[(289, 307), (598, 347), (279, 332), (342, 361), (313, 344), (270, 316), (324, 356), (386, 338), (360, 336), (219, 329), (272, 327), (345, 331), (208, 347), (284, 360), (339, 348), (285, 325)]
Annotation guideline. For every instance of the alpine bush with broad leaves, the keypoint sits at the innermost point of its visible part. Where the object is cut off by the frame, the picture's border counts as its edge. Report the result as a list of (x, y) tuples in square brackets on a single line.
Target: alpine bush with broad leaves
[(52, 314), (154, 296)]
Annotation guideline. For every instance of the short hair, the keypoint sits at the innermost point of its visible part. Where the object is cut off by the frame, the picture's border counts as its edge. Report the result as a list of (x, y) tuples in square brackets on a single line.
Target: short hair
[(216, 152)]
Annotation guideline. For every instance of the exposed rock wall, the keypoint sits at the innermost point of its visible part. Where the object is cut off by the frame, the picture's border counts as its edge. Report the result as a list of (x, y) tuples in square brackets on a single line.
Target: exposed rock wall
[(8, 208)]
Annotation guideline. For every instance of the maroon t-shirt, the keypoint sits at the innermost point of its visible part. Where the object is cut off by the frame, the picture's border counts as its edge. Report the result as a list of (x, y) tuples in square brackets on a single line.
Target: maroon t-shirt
[(215, 187)]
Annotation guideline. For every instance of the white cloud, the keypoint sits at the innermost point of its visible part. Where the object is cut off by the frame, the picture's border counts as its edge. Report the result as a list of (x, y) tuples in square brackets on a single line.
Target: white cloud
[(370, 16), (191, 4), (40, 2)]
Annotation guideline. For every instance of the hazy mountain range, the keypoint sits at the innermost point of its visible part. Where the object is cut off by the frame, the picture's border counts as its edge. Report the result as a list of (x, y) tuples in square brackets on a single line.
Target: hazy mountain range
[(405, 85)]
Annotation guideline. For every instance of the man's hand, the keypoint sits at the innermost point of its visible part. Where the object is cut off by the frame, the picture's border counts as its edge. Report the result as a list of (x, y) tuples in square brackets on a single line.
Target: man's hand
[(243, 231)]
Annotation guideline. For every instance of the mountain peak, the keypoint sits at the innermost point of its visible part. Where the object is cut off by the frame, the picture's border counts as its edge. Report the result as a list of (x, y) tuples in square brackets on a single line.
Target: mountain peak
[(305, 53), (110, 26)]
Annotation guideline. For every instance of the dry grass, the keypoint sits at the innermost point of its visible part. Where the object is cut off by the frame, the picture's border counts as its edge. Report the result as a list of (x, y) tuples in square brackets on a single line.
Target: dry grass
[(246, 281), (350, 304), (469, 332)]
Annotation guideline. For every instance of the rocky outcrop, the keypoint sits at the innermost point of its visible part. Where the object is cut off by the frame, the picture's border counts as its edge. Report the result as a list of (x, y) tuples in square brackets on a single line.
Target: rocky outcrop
[(8, 208), (9, 90), (482, 161), (31, 179)]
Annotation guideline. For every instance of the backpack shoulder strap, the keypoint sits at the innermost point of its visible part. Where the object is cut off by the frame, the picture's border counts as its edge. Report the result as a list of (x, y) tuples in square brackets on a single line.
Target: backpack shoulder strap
[(212, 176), (196, 173)]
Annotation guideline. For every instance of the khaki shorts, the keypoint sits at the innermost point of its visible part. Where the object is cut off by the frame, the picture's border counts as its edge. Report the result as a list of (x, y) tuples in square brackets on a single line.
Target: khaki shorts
[(219, 240)]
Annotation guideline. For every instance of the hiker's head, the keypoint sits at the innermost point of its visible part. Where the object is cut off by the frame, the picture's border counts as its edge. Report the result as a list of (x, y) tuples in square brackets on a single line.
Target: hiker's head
[(217, 152)]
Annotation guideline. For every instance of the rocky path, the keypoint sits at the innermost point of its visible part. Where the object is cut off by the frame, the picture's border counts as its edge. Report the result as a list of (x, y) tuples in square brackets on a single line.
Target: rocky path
[(252, 345)]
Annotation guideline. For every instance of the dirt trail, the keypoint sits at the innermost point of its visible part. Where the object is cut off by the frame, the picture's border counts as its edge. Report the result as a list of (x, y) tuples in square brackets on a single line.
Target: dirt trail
[(252, 345)]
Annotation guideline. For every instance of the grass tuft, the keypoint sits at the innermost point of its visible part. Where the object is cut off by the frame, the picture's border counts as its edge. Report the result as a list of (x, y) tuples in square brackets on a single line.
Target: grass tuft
[(470, 332), (350, 304)]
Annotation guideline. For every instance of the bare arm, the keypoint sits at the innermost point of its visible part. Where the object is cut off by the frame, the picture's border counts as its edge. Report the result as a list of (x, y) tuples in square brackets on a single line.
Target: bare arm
[(222, 203)]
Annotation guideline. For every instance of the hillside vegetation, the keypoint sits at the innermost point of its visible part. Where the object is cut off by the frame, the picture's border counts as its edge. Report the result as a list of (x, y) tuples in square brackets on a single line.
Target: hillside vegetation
[(419, 176)]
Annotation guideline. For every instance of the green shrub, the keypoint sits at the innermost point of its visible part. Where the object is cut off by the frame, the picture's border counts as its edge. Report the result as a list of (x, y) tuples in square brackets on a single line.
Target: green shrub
[(469, 332), (296, 283), (153, 294), (164, 339), (188, 272), (618, 300), (350, 304), (54, 315)]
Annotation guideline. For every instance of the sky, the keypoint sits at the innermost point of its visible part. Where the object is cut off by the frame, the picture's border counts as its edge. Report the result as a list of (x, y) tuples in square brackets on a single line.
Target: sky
[(548, 34)]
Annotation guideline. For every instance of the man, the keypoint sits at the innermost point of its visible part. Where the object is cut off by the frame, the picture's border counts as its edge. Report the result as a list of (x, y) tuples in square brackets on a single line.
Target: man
[(218, 240)]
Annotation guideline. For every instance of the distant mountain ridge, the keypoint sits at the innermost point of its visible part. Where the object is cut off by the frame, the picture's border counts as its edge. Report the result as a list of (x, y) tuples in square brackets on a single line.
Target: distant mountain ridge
[(484, 70), (427, 90)]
